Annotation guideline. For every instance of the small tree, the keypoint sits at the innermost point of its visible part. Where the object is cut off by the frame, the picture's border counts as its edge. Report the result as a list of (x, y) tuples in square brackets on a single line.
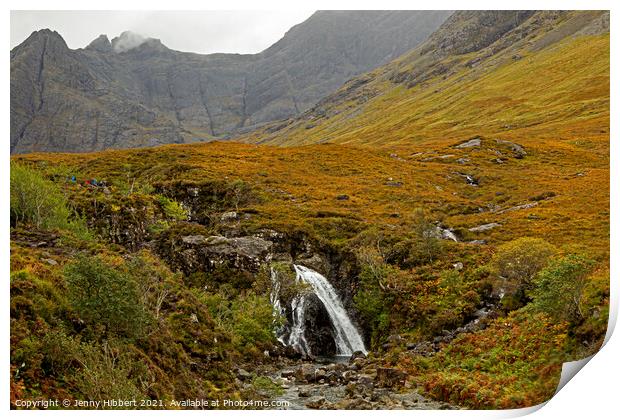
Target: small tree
[(517, 263), (426, 245), (559, 288), (105, 296), (39, 201)]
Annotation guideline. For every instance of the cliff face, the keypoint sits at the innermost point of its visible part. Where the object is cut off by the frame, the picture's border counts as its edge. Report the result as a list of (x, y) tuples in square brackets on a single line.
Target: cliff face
[(134, 91)]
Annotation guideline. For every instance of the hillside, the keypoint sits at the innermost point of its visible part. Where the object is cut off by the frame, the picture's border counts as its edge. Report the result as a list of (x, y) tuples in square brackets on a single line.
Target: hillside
[(134, 91), (530, 76)]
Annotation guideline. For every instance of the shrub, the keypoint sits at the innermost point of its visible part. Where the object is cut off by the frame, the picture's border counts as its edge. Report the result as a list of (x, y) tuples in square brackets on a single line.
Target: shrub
[(252, 320), (107, 297), (371, 301), (172, 209), (38, 201), (516, 263), (423, 247), (60, 351), (107, 373), (559, 288)]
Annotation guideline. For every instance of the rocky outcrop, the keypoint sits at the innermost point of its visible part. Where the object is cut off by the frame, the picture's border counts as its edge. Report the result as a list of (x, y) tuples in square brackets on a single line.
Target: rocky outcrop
[(134, 91), (194, 253)]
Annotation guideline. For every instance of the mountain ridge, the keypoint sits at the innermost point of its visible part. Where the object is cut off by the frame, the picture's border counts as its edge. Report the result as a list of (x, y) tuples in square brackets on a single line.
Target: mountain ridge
[(97, 98), (451, 71)]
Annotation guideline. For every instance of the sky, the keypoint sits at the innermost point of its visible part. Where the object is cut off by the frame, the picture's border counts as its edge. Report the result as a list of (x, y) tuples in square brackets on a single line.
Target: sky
[(239, 31)]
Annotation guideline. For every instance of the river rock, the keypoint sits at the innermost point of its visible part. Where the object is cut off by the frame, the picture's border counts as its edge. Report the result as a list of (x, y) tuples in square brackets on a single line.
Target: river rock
[(349, 376), (357, 355), (353, 404), (315, 402), (390, 377), (305, 373)]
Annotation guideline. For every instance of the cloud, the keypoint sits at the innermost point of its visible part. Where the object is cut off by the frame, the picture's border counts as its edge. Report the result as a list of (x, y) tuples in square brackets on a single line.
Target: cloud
[(127, 40)]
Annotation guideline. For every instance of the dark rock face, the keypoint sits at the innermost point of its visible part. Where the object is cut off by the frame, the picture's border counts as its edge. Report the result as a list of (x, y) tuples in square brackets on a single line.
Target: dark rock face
[(133, 91), (319, 330), (204, 253)]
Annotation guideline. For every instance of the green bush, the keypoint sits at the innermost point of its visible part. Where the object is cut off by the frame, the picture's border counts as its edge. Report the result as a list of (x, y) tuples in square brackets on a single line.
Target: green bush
[(253, 320), (106, 297), (108, 373), (423, 247), (516, 264), (172, 209), (371, 301), (559, 288), (37, 200)]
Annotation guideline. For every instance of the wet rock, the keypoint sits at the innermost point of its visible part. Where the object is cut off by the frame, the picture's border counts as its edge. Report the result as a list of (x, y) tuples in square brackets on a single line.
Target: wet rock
[(349, 376), (353, 404), (357, 355), (304, 392), (305, 373), (390, 377), (315, 402), (366, 379), (319, 331), (320, 375)]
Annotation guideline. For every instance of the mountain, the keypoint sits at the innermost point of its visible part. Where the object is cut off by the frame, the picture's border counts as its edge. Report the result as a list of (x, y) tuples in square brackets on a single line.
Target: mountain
[(134, 91), (495, 73)]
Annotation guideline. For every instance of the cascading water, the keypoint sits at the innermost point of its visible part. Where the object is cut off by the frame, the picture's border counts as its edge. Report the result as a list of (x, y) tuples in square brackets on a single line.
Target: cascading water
[(346, 336)]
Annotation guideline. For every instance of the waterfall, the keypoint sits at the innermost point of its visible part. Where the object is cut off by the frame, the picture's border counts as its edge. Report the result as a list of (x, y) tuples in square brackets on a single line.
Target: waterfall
[(346, 336)]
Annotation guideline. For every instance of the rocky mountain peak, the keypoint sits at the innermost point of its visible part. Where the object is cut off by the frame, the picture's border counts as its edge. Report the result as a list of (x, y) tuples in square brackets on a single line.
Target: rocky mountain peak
[(128, 41), (101, 43), (43, 37)]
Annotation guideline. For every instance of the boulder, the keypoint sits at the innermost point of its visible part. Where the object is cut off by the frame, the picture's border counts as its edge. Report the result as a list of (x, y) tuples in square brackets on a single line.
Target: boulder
[(485, 227), (390, 377), (243, 374), (518, 151), (315, 402), (357, 355), (469, 143)]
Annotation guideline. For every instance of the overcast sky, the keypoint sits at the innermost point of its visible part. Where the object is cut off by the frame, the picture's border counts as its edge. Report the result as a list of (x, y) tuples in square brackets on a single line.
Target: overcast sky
[(241, 31)]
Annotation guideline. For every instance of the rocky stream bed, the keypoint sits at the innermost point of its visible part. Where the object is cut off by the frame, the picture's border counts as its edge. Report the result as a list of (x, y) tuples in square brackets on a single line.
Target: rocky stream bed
[(342, 383)]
